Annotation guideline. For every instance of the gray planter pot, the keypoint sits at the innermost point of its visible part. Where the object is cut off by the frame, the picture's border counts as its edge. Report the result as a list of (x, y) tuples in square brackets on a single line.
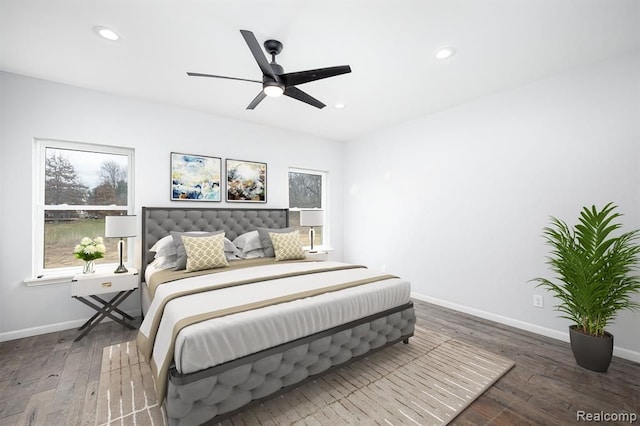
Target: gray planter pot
[(592, 353)]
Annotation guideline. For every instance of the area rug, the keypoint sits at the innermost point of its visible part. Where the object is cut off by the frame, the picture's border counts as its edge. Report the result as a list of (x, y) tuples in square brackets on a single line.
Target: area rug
[(427, 382)]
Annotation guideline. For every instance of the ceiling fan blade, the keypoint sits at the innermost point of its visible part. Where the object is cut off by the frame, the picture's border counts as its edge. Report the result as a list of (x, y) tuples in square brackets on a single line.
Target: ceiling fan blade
[(197, 74), (301, 77), (254, 103), (295, 93), (258, 54)]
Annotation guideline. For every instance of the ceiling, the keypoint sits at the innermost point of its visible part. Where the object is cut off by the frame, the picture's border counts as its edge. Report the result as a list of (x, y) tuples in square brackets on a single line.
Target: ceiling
[(389, 44)]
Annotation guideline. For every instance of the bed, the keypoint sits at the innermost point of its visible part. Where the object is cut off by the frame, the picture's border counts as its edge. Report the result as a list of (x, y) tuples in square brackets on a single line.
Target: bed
[(224, 339)]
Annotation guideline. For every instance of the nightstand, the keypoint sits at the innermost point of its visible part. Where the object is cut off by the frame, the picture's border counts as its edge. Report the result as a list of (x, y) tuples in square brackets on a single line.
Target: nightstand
[(90, 286), (317, 255)]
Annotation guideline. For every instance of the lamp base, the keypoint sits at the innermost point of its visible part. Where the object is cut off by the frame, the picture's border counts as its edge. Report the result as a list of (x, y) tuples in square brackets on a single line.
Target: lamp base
[(120, 269), (312, 236)]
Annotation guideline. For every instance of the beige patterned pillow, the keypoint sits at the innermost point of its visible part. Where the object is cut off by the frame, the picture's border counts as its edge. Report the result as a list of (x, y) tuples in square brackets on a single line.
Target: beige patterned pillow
[(287, 246), (205, 252)]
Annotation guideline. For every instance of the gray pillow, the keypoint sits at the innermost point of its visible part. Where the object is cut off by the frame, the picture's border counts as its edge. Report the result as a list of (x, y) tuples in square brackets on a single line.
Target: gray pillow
[(181, 263), (265, 239)]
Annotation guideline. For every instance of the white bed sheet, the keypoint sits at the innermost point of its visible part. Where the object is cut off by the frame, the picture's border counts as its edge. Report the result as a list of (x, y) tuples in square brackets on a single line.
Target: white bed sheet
[(219, 340), (145, 294)]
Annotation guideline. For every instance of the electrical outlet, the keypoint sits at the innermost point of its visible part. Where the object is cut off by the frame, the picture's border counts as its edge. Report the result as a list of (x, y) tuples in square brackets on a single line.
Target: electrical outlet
[(538, 301)]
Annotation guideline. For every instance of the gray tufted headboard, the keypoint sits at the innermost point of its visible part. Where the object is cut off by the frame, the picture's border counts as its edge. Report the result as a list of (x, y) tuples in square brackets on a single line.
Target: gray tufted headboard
[(158, 222)]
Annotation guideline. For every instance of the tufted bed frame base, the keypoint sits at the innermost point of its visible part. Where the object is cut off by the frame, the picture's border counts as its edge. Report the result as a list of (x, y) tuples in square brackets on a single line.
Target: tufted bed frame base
[(214, 394), (223, 391)]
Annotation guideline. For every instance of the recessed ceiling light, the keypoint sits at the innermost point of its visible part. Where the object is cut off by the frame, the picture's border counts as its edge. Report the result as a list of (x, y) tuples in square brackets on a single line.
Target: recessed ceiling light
[(106, 33), (339, 105), (445, 52)]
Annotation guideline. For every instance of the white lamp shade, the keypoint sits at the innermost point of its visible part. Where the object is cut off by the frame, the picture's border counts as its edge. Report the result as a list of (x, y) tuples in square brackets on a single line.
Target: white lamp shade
[(311, 218), (120, 226)]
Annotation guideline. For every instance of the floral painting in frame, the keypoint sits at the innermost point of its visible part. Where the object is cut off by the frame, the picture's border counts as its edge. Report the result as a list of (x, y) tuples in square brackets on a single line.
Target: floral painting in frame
[(195, 177), (246, 181)]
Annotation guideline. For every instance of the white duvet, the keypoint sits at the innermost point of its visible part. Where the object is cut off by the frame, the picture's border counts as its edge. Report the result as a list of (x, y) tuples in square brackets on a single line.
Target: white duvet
[(218, 340)]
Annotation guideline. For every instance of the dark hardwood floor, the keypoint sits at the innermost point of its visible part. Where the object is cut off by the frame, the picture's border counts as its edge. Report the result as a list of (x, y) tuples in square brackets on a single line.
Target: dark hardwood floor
[(52, 380), (545, 387)]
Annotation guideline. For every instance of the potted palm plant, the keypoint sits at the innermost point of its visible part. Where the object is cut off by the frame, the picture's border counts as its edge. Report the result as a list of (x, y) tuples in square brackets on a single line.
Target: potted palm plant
[(594, 279)]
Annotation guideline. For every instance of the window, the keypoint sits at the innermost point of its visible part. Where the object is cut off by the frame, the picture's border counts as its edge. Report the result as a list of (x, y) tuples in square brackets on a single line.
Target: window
[(77, 185), (307, 190)]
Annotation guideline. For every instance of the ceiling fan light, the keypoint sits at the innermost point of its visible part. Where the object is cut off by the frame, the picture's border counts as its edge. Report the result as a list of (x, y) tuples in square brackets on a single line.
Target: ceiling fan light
[(273, 91)]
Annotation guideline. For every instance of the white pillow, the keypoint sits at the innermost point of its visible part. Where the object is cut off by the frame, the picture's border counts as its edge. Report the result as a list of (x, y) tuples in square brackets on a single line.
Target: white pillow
[(165, 262), (231, 251), (164, 247), (252, 254), (248, 241)]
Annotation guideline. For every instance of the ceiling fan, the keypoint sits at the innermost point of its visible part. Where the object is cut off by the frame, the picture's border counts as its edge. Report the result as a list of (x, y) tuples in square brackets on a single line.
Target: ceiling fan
[(275, 81)]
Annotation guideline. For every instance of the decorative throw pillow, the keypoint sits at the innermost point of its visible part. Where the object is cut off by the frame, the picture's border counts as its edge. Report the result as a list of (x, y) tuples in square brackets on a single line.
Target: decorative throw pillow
[(265, 238), (204, 252), (181, 263), (287, 246)]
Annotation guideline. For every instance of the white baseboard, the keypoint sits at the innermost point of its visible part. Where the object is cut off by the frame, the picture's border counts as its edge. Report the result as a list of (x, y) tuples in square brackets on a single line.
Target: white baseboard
[(51, 328), (544, 331)]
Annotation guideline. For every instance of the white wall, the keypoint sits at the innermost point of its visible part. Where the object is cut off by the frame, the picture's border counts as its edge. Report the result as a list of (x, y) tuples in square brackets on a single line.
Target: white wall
[(467, 191), (470, 188), (31, 108)]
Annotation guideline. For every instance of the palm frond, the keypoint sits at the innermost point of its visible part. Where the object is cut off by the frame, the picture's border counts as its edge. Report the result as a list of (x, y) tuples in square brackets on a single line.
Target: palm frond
[(594, 269)]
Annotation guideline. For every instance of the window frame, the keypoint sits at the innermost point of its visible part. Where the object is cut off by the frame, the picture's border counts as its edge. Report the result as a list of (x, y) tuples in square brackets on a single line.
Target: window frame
[(39, 168), (324, 176)]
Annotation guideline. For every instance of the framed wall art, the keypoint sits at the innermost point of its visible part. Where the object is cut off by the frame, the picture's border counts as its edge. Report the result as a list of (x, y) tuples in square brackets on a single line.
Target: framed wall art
[(195, 177), (246, 181)]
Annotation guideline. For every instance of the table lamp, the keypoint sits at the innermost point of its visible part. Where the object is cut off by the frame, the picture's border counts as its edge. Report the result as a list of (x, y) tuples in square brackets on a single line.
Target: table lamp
[(120, 227), (311, 218)]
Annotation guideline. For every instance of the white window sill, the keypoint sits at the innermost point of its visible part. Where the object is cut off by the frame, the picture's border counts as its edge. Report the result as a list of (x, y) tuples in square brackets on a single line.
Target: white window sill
[(318, 248), (45, 280), (66, 276)]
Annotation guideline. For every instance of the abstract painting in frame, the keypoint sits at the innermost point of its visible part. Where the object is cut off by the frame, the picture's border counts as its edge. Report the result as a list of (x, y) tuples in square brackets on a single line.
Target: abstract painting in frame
[(195, 177), (246, 181)]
